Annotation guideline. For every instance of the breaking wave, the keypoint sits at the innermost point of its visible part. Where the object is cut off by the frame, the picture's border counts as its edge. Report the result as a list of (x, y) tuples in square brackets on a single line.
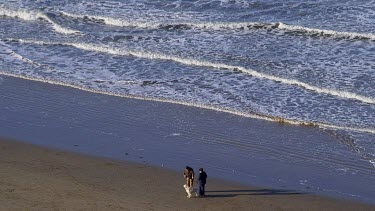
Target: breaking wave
[(227, 26), (19, 57), (111, 21), (208, 64), (33, 16)]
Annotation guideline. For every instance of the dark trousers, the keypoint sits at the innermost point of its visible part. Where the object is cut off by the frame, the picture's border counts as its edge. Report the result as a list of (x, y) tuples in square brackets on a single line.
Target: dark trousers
[(201, 190)]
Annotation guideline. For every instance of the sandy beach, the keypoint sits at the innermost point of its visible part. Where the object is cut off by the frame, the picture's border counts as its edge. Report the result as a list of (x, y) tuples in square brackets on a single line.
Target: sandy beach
[(36, 178)]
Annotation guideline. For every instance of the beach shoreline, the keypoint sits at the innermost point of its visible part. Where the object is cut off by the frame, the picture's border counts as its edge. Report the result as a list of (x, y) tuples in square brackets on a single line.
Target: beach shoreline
[(171, 136), (39, 178), (104, 103)]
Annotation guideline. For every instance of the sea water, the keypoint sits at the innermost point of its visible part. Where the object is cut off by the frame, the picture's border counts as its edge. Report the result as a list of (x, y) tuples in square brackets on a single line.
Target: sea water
[(299, 62)]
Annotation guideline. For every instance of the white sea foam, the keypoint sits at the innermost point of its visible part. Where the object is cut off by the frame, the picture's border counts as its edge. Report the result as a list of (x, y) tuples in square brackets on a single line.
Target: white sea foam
[(21, 14), (128, 23), (32, 16), (373, 162), (198, 63), (17, 56), (57, 27), (323, 32), (29, 61), (228, 26), (192, 104), (112, 21)]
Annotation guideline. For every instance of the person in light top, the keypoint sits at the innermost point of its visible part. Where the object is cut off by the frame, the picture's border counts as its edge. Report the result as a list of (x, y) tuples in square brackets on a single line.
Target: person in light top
[(189, 176)]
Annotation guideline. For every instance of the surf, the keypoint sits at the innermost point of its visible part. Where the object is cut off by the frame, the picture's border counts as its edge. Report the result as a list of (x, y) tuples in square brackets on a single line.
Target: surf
[(192, 104), (207, 64), (294, 29), (7, 50), (34, 16)]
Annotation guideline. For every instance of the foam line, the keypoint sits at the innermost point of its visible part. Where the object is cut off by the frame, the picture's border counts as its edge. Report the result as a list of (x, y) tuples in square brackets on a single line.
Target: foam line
[(112, 21), (29, 61), (197, 105), (19, 57), (324, 32), (203, 25), (24, 59), (57, 27), (33, 16), (198, 63), (227, 26)]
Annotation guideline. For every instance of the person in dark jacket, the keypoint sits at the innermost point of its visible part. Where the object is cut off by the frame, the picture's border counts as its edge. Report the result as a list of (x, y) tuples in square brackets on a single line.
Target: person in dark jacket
[(189, 176), (202, 182)]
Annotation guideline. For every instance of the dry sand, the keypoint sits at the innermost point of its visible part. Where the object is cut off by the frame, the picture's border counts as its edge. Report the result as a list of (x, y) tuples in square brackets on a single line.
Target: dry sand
[(36, 178)]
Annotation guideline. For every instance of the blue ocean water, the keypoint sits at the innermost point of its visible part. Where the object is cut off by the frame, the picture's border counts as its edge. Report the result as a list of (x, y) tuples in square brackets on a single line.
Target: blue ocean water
[(301, 62)]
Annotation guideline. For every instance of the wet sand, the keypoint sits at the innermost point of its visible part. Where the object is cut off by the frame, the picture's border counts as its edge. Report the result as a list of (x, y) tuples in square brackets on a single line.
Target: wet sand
[(37, 178), (244, 150)]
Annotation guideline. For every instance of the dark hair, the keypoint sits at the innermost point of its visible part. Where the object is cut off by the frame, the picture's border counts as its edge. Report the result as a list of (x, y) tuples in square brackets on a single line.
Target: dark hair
[(200, 169), (187, 167)]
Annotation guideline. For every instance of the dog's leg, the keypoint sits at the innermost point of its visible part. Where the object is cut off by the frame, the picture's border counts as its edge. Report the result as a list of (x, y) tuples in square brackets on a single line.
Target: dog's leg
[(187, 189)]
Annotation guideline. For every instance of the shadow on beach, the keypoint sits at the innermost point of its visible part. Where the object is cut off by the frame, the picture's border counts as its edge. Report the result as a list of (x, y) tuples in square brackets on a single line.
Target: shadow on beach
[(250, 192)]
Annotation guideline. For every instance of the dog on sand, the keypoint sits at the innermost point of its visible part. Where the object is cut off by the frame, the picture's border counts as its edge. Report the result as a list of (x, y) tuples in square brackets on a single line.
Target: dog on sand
[(191, 191)]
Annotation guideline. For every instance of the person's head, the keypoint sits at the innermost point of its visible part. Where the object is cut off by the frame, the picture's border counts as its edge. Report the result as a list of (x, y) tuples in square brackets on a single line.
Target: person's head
[(187, 167), (200, 169)]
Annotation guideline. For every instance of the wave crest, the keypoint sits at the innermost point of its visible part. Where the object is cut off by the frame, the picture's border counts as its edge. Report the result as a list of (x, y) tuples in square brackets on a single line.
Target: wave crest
[(226, 26), (192, 104), (208, 64), (33, 16)]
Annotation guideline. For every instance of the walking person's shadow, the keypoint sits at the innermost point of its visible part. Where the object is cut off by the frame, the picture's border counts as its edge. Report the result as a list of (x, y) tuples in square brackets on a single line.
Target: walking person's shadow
[(250, 192)]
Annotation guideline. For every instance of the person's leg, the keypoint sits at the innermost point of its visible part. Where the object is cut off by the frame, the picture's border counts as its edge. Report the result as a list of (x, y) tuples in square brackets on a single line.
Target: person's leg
[(188, 182), (203, 190)]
